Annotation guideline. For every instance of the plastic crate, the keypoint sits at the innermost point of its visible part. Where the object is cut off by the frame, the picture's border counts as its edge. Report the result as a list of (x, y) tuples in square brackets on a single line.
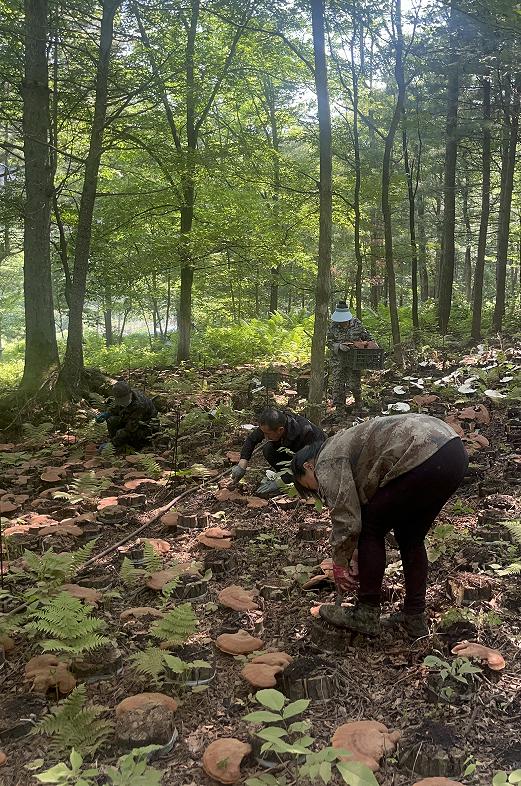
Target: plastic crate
[(358, 359)]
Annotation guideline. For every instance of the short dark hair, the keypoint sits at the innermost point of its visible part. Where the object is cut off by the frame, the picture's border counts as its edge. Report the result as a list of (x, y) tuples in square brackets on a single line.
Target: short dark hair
[(273, 418), (308, 453)]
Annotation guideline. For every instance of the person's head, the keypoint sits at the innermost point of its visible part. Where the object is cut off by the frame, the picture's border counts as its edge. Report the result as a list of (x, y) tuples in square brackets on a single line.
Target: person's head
[(303, 468), (272, 423), (342, 313), (122, 393)]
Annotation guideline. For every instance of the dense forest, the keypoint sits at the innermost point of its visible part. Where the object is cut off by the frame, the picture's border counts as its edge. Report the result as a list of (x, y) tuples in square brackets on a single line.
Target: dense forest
[(172, 171)]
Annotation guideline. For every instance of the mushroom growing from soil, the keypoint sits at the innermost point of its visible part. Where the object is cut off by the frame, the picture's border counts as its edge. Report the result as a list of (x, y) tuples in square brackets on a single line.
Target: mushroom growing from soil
[(366, 741), (140, 611), (157, 580), (237, 598), (215, 538), (471, 649), (240, 643), (47, 671), (82, 593), (222, 759), (262, 670), (437, 781), (145, 719), (3, 758)]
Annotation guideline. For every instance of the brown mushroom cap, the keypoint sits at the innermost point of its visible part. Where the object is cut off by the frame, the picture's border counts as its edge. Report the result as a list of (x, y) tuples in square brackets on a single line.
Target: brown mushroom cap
[(471, 649), (366, 741), (157, 580), (261, 675), (142, 701), (240, 643), (170, 519), (221, 543), (6, 642), (140, 611), (237, 598), (3, 758), (82, 593), (159, 546), (274, 659), (437, 781), (47, 671), (222, 759)]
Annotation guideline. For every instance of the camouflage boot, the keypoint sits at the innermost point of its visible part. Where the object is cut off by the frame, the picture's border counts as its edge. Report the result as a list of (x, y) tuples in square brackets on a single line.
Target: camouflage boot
[(360, 618), (413, 625)]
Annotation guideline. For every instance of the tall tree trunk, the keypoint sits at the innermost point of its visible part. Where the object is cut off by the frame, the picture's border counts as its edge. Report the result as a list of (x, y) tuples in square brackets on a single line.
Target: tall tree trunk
[(72, 369), (107, 315), (449, 181), (41, 350), (505, 204), (422, 250), (358, 174), (467, 265), (412, 230), (386, 180), (323, 282), (269, 92)]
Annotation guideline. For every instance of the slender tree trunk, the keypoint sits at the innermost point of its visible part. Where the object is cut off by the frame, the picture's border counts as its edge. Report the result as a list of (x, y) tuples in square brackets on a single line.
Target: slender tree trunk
[(412, 231), (467, 265), (422, 250), (386, 180), (107, 314), (505, 205), (449, 182), (323, 282), (41, 350), (358, 175), (71, 372)]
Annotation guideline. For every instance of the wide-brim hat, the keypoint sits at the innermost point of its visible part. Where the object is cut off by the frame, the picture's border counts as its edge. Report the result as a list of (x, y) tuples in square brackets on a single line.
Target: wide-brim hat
[(341, 312), (122, 393)]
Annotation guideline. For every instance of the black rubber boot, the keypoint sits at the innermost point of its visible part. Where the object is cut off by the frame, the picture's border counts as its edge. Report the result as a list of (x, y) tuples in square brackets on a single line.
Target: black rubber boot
[(413, 625), (360, 618)]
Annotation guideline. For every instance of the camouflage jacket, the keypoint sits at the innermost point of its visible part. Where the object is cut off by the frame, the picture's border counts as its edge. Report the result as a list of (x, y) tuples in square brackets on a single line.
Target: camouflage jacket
[(338, 334), (353, 464), (299, 432), (140, 410)]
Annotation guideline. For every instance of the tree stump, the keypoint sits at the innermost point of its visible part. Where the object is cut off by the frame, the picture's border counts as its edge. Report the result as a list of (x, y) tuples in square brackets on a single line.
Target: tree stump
[(102, 664), (309, 678), (428, 761), (466, 588), (190, 521), (220, 562), (197, 675), (190, 588), (311, 533)]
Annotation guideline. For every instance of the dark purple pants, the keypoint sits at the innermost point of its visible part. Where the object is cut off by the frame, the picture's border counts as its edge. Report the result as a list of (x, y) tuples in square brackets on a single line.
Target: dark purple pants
[(408, 506)]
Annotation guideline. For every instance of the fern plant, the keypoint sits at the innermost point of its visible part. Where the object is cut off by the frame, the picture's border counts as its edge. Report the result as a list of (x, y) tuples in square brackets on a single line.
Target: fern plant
[(150, 466), (129, 575), (35, 435), (156, 664), (514, 527), (177, 626), (86, 486), (73, 725), (45, 572), (66, 626)]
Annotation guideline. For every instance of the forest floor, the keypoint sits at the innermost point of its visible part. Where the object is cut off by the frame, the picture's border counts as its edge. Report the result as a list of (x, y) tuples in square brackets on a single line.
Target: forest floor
[(58, 493)]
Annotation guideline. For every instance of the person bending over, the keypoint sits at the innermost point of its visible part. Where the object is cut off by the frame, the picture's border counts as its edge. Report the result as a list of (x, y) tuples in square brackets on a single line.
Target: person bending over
[(285, 434), (390, 473), (130, 417)]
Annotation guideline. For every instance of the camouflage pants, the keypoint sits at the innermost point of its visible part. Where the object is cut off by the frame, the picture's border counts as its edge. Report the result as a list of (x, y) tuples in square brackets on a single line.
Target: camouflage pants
[(344, 379)]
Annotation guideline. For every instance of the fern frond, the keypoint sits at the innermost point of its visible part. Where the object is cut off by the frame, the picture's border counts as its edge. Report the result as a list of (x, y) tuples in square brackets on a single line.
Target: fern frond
[(150, 466), (35, 435), (177, 626), (73, 725), (514, 527), (65, 625), (151, 663), (88, 485), (129, 575), (151, 559), (109, 452), (168, 589), (511, 570)]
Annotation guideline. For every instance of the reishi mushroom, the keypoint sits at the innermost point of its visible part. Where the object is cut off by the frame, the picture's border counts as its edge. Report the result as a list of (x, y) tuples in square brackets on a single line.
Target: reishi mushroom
[(437, 781), (366, 741), (471, 649), (240, 643), (222, 759), (47, 671), (237, 598), (142, 701)]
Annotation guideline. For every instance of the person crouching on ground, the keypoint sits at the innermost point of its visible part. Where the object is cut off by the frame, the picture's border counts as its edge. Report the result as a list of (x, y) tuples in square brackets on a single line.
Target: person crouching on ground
[(130, 417), (344, 331), (390, 473), (285, 434)]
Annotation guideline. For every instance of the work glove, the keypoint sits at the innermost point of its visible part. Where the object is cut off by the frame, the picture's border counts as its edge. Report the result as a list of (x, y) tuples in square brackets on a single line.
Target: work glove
[(238, 473), (344, 578), (102, 417)]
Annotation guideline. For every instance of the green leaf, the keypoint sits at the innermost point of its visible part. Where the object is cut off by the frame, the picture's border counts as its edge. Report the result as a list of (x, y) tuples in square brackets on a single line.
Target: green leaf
[(325, 771), (34, 765), (500, 778), (295, 708), (75, 759), (299, 726), (271, 733), (355, 773), (263, 716), (515, 777), (272, 699), (55, 774)]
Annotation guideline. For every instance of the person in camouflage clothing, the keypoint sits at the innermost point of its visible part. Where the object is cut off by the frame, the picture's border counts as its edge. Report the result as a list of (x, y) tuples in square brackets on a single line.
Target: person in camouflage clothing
[(389, 473), (343, 331), (130, 417)]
